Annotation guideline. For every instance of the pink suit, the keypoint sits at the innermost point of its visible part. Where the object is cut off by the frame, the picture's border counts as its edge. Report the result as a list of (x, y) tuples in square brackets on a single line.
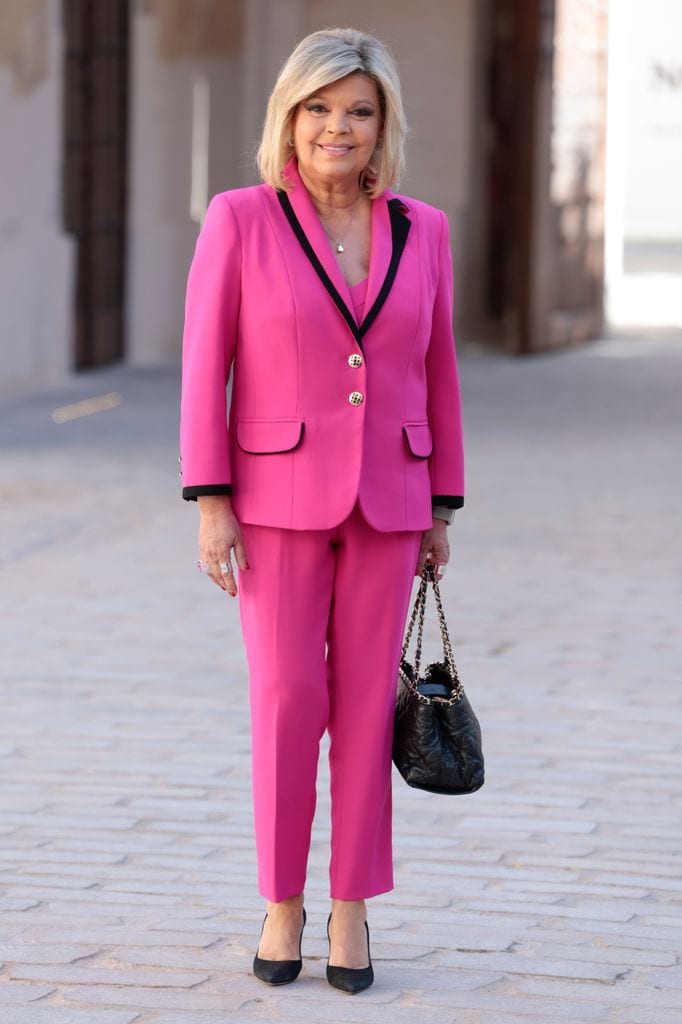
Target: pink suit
[(343, 429)]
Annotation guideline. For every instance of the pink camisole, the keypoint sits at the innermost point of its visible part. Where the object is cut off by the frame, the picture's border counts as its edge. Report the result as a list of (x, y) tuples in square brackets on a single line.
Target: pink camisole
[(358, 294)]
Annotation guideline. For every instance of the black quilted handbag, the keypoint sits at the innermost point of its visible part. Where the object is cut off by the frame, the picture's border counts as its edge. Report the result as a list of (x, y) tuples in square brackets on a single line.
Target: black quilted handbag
[(436, 736)]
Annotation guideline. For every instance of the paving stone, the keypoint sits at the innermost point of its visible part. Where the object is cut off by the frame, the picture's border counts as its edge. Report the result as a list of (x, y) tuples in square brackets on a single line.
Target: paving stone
[(481, 1017), (89, 875), (594, 912), (160, 998), (52, 953), (668, 884), (66, 1015), (628, 995), (592, 953), (156, 1017), (62, 899), (126, 837), (528, 824), (672, 921), (664, 979), (237, 956), (58, 857), (37, 880), (660, 868), (501, 998), (644, 1015), (66, 821), (17, 903), (43, 917), (513, 963), (489, 872), (17, 994), (576, 888), (131, 977), (648, 936), (446, 1004), (112, 935)]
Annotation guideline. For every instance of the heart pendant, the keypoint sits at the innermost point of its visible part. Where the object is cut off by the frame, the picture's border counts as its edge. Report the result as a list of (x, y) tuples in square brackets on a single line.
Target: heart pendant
[(339, 247)]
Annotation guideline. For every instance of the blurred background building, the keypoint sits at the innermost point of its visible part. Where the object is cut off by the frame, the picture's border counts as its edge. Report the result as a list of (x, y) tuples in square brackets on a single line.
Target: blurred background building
[(119, 120)]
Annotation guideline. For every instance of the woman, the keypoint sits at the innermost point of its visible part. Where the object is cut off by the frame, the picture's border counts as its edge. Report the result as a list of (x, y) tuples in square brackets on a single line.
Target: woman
[(337, 473)]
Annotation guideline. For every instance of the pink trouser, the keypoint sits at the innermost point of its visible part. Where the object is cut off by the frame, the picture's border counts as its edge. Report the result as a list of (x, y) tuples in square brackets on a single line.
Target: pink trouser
[(347, 589)]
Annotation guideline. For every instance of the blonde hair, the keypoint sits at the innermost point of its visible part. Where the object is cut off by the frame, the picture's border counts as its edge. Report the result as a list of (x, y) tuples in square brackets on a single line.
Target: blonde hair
[(320, 59)]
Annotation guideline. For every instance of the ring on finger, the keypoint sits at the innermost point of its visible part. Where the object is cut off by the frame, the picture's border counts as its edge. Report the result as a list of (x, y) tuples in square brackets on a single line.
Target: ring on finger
[(225, 569)]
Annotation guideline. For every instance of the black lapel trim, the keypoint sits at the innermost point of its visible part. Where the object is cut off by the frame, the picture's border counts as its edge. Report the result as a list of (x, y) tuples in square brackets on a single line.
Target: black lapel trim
[(324, 277), (400, 227)]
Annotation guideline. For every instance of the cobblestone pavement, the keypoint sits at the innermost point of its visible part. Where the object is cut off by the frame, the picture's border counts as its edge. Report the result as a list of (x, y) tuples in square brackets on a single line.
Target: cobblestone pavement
[(554, 894)]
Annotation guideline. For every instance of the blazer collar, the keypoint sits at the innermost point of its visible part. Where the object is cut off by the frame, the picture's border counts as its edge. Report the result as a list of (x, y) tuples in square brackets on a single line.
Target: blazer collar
[(389, 229)]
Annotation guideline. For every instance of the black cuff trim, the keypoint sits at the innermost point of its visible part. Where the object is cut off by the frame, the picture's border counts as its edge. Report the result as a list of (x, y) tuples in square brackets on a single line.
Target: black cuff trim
[(192, 493), (447, 500)]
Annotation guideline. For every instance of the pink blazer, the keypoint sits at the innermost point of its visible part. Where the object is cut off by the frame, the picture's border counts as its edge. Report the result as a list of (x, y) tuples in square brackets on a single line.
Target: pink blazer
[(323, 411)]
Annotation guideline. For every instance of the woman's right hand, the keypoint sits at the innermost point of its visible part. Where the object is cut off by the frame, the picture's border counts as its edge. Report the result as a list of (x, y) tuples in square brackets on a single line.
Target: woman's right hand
[(219, 532)]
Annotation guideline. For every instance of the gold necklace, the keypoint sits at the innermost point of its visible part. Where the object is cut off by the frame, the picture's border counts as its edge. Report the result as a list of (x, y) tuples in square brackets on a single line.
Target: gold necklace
[(338, 242)]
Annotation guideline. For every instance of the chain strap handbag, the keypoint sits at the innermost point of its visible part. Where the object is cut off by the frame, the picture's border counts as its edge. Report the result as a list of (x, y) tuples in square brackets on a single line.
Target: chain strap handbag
[(437, 736)]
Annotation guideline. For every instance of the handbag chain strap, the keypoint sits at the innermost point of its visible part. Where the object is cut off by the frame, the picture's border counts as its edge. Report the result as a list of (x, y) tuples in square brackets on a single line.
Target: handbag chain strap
[(429, 576)]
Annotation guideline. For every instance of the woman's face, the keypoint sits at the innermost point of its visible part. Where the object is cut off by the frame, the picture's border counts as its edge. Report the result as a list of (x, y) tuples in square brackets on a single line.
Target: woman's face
[(336, 129)]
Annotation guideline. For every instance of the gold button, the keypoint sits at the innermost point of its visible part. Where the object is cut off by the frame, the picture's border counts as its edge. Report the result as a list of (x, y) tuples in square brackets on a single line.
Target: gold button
[(355, 360), (356, 398)]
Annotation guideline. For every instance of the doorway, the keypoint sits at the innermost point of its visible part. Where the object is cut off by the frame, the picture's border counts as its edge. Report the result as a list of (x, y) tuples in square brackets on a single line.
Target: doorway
[(547, 111), (94, 172)]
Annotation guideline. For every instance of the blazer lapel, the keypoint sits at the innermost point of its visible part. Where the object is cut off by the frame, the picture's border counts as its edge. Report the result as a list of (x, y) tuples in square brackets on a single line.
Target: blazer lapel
[(380, 251), (389, 230), (312, 226)]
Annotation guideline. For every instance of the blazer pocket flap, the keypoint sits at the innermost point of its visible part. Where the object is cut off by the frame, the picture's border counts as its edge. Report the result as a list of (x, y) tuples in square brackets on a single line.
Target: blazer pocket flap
[(418, 437), (262, 437)]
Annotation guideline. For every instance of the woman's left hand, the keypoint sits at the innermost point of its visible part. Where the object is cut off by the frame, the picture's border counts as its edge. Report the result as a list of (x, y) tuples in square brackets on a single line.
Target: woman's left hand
[(435, 547)]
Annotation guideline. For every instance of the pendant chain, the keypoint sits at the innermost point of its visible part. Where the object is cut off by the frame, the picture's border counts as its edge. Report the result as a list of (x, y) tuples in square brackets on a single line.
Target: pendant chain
[(338, 241)]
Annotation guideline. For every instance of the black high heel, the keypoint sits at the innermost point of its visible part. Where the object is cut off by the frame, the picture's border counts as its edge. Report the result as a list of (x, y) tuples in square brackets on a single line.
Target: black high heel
[(350, 979), (279, 972)]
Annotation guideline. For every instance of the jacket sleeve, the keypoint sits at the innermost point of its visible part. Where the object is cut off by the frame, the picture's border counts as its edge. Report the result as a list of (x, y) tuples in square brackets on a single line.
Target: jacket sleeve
[(208, 345), (446, 462)]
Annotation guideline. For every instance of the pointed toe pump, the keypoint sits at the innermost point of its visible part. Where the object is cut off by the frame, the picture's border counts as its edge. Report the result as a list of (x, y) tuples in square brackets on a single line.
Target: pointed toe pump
[(279, 972), (350, 979)]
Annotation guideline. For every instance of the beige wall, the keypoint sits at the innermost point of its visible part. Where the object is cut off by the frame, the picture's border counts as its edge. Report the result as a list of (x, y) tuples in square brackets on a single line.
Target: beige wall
[(432, 44), (174, 84), (440, 49), (437, 45), (36, 257), (216, 68), (220, 70)]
